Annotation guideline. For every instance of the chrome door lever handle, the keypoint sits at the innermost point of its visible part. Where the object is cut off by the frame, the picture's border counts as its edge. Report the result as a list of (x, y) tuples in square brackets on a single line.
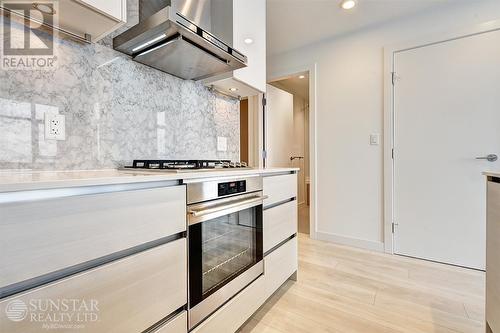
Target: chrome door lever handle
[(489, 158)]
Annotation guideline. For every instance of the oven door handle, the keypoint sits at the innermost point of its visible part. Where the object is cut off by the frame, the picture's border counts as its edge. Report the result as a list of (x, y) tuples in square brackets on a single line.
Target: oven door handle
[(223, 209)]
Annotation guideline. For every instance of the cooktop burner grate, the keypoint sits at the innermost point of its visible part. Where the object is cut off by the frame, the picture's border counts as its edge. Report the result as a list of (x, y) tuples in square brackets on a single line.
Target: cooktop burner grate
[(185, 164)]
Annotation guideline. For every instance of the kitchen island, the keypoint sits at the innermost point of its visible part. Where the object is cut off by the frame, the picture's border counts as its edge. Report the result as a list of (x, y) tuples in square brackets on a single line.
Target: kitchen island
[(117, 239), (493, 253)]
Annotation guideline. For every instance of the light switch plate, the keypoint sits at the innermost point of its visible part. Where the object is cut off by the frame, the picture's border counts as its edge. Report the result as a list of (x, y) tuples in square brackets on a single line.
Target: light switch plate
[(55, 126), (221, 143), (374, 139)]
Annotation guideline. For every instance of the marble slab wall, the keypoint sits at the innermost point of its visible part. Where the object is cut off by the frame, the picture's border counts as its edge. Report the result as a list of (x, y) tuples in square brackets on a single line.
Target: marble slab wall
[(116, 110)]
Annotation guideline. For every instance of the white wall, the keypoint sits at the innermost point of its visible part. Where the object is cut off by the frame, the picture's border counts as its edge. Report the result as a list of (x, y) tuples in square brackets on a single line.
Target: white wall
[(279, 127), (350, 107)]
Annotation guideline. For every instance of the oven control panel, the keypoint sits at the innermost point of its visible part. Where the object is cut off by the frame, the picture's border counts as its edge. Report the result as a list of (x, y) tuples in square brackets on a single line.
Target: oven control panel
[(239, 186)]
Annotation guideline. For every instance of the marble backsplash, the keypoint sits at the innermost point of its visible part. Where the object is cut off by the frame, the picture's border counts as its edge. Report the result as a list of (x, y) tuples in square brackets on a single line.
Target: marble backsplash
[(116, 110)]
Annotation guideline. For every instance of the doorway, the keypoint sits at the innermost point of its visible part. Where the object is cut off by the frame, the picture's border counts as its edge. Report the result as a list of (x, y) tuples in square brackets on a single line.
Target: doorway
[(287, 143), (445, 125)]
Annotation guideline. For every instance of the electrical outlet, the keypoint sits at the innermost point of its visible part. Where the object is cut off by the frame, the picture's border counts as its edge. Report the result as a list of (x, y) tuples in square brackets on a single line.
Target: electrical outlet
[(55, 127)]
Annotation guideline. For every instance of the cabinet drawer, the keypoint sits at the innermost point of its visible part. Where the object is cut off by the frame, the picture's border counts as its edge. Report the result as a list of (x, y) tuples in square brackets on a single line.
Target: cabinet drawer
[(279, 265), (280, 222), (493, 257), (40, 237), (128, 295), (234, 313), (177, 325), (279, 188)]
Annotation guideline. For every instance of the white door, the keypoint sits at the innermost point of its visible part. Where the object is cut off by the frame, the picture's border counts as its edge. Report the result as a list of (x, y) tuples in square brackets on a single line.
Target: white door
[(279, 127), (447, 113)]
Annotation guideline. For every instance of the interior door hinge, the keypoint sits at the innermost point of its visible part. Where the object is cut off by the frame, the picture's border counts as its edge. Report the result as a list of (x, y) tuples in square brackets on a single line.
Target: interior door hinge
[(392, 153), (394, 224), (264, 154), (264, 101)]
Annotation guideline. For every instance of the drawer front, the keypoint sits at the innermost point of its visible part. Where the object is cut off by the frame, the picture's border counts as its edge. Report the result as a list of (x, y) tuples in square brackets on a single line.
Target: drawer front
[(234, 313), (70, 230), (280, 222), (280, 264), (279, 188), (493, 257), (176, 325), (128, 295)]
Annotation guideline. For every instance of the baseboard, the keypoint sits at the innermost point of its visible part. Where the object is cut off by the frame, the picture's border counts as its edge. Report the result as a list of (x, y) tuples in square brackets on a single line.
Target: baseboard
[(355, 242)]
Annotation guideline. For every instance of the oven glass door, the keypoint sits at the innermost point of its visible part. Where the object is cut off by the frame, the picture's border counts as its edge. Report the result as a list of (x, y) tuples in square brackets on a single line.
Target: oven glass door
[(222, 248)]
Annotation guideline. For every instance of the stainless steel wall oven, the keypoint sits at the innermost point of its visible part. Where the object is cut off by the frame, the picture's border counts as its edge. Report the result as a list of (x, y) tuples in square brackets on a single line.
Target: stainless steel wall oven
[(225, 241)]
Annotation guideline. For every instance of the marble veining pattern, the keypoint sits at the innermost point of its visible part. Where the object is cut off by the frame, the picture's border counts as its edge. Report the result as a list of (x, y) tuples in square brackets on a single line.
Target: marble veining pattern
[(116, 110)]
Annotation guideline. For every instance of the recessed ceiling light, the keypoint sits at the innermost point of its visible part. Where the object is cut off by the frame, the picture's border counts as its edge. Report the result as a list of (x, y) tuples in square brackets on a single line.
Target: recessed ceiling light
[(248, 40), (44, 8), (233, 89), (348, 4), (302, 76)]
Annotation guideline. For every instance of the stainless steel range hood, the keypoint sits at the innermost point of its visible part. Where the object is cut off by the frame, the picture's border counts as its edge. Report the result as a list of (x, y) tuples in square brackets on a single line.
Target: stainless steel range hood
[(174, 37)]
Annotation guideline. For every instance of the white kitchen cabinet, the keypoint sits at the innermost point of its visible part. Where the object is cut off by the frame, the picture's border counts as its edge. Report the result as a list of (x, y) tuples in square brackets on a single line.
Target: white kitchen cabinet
[(279, 223), (249, 22), (95, 18), (114, 8), (65, 227), (178, 324), (91, 20), (125, 296), (279, 189), (493, 257), (280, 265)]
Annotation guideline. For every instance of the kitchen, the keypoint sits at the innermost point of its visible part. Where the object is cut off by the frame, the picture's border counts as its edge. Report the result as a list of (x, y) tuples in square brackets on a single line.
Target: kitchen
[(133, 111)]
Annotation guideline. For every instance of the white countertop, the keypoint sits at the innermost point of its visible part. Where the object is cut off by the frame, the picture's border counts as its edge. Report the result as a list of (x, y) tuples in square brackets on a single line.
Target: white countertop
[(492, 173), (22, 180)]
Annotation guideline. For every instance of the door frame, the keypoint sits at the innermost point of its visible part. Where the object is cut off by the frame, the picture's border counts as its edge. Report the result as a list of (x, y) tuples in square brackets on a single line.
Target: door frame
[(313, 157), (389, 126)]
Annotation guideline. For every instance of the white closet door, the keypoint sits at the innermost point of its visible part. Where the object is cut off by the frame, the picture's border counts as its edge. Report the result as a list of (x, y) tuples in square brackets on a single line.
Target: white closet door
[(447, 113)]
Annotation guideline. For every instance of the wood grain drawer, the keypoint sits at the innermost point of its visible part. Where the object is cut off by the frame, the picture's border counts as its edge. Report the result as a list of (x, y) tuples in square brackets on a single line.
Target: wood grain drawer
[(177, 325), (280, 222), (279, 188), (234, 313), (131, 294), (493, 257), (40, 237), (279, 265)]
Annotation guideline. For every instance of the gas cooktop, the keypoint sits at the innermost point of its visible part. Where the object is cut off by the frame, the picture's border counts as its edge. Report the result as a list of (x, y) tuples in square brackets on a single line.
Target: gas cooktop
[(185, 165)]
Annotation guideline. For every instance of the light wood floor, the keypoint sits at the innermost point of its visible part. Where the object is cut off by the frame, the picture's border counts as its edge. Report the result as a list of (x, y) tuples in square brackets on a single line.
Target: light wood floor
[(341, 289), (303, 219)]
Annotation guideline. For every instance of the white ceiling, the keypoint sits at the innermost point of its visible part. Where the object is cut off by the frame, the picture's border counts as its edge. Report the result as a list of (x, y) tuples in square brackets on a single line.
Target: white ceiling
[(293, 24)]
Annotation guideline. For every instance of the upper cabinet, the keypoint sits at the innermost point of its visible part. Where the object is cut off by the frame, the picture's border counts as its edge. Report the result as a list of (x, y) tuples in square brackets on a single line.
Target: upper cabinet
[(94, 18), (89, 20), (248, 37), (113, 8)]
